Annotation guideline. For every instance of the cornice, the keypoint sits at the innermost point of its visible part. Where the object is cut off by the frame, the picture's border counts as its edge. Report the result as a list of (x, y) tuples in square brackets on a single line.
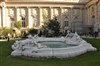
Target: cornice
[(88, 2), (45, 3), (74, 1), (91, 2)]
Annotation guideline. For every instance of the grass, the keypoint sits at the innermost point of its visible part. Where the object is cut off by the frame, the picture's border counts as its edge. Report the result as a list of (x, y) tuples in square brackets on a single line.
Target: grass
[(87, 59)]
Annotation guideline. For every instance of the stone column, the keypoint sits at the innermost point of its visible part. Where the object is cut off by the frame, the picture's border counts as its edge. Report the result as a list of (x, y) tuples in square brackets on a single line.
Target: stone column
[(85, 15), (0, 18), (16, 14), (96, 24), (99, 14), (88, 12), (69, 17), (71, 20), (28, 18), (61, 17), (3, 14), (71, 12), (81, 15), (96, 15), (40, 17), (51, 12)]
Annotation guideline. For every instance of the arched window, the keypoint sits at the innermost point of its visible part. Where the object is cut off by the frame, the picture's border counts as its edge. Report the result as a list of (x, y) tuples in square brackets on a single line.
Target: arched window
[(66, 21)]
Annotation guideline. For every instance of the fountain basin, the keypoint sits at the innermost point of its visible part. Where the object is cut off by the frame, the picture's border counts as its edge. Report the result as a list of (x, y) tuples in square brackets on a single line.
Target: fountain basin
[(62, 47)]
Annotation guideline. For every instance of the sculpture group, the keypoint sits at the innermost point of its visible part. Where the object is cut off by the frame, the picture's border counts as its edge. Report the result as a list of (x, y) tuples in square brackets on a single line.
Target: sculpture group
[(32, 47)]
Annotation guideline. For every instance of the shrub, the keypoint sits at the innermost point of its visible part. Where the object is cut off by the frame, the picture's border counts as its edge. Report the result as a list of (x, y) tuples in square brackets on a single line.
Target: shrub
[(18, 24), (33, 31), (24, 34), (4, 32), (53, 26)]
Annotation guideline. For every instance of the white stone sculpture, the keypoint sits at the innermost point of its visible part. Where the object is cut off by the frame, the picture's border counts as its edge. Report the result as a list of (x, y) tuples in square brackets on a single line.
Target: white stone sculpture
[(32, 47)]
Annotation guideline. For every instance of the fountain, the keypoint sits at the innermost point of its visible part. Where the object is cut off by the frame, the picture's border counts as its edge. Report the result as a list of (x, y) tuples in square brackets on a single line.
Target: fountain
[(63, 47)]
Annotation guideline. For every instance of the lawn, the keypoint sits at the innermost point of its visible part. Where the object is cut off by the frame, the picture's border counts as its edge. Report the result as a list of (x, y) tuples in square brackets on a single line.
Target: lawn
[(88, 59)]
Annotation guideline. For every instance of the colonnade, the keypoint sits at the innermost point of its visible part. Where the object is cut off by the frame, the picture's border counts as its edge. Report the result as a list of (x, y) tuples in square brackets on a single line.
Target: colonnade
[(62, 14)]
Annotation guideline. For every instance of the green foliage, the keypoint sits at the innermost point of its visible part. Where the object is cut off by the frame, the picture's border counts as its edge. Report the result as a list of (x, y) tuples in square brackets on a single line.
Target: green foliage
[(33, 31), (54, 26), (4, 32), (18, 24), (24, 34), (45, 17)]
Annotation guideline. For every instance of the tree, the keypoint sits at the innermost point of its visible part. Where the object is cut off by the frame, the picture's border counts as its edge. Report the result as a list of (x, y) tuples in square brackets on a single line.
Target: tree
[(45, 16), (5, 31), (18, 24), (54, 26)]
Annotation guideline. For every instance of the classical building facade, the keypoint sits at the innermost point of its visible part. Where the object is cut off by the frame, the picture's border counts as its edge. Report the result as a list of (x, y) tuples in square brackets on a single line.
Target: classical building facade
[(92, 14), (74, 14)]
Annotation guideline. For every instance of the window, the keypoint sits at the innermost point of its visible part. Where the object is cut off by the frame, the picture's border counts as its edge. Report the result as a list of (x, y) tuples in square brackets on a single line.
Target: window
[(66, 23), (23, 22), (11, 22), (34, 21)]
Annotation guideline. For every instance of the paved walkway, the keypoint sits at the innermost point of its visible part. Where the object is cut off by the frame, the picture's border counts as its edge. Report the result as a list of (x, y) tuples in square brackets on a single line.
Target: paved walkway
[(10, 39), (20, 38), (90, 37)]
